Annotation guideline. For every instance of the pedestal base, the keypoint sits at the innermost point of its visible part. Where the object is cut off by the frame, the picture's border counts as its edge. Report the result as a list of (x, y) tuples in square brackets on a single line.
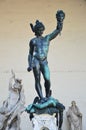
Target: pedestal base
[(44, 122), (42, 117)]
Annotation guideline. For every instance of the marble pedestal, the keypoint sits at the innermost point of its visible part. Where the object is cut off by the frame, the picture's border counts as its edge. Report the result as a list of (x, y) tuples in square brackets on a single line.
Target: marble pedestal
[(44, 122)]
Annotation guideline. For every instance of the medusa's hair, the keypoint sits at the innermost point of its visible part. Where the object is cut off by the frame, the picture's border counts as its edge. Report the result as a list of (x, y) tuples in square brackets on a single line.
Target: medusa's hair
[(60, 14)]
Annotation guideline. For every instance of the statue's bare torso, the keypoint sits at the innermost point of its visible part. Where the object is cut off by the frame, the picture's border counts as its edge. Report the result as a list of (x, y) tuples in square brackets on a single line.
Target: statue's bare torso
[(41, 47)]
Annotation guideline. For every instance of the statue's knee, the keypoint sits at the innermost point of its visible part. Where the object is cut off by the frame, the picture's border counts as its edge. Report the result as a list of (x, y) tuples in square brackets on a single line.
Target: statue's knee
[(37, 79)]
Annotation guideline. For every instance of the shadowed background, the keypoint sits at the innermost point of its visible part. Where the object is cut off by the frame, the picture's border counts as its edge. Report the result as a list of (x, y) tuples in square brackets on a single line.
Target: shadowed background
[(67, 53)]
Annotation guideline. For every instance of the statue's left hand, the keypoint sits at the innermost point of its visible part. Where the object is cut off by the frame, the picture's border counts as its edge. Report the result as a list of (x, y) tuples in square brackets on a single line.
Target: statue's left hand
[(29, 69), (60, 26)]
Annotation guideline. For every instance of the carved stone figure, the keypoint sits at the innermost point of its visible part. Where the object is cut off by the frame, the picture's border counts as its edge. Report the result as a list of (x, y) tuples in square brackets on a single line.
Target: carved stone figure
[(74, 117), (38, 52), (12, 107)]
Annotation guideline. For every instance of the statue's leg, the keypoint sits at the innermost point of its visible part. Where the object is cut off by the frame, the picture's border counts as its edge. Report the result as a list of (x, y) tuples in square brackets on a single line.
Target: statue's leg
[(56, 119), (60, 119), (61, 108), (36, 71), (46, 75)]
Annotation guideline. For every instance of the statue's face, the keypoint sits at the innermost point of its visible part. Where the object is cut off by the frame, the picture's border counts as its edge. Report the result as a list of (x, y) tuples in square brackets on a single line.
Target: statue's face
[(40, 31), (61, 17), (17, 85), (73, 103)]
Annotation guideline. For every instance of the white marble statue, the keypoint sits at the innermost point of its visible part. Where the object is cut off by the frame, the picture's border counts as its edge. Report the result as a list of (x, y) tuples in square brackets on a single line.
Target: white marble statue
[(74, 117), (12, 107)]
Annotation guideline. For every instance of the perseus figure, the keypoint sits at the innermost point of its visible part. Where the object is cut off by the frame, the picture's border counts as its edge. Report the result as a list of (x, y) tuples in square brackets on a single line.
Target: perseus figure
[(37, 58)]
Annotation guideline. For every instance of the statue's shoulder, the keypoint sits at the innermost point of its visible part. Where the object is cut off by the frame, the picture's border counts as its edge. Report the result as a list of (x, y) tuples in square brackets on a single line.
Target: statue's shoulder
[(33, 40), (47, 36)]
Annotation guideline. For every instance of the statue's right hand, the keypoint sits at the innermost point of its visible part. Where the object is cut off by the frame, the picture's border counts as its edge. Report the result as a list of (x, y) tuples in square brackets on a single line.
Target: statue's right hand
[(29, 69)]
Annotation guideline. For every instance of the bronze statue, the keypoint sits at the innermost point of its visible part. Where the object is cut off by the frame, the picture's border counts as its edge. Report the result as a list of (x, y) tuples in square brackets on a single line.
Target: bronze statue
[(39, 47)]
